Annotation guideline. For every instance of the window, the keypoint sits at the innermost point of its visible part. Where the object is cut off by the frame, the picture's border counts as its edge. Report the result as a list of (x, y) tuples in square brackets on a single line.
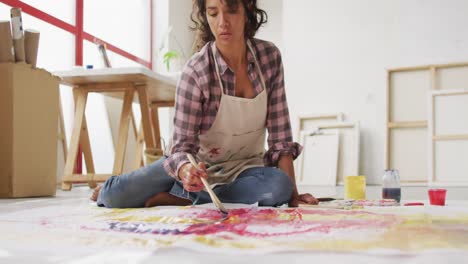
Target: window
[(70, 31)]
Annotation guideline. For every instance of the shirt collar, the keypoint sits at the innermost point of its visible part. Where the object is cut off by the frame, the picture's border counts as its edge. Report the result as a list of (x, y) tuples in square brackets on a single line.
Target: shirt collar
[(223, 66)]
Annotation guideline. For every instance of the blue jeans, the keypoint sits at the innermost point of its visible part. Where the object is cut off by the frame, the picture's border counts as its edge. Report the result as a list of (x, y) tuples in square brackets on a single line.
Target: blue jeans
[(266, 185)]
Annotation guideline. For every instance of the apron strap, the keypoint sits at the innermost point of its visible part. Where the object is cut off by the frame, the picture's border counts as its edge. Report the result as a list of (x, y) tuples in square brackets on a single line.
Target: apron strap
[(256, 64), (213, 47)]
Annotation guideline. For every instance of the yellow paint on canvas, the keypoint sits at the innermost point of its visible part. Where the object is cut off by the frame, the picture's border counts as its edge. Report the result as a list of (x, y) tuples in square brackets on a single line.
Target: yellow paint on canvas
[(218, 243)]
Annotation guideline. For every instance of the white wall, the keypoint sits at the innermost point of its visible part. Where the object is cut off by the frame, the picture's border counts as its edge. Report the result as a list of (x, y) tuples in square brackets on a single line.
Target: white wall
[(336, 53), (273, 29), (172, 22), (161, 27), (181, 38), (171, 32)]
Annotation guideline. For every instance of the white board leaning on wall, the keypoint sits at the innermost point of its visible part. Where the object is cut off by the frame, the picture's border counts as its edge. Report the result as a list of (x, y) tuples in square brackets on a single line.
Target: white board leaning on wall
[(318, 165)]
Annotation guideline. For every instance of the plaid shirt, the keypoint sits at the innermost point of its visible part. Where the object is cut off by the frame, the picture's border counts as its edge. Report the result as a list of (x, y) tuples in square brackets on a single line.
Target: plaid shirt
[(199, 93)]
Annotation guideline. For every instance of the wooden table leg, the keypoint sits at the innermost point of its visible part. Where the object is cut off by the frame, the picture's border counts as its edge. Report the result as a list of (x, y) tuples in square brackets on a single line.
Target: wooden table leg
[(81, 98), (123, 131), (139, 140), (88, 155), (145, 118), (155, 121), (133, 122), (62, 134), (86, 148), (139, 148), (154, 106)]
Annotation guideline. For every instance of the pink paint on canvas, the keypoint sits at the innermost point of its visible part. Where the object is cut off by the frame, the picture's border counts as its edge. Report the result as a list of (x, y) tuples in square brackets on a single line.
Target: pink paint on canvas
[(271, 222)]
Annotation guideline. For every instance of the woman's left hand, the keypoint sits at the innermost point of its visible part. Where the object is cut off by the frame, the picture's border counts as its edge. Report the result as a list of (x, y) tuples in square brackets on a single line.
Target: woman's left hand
[(305, 198)]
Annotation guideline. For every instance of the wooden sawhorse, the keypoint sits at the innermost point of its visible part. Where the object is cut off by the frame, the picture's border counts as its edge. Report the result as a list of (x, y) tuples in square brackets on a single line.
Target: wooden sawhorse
[(149, 87)]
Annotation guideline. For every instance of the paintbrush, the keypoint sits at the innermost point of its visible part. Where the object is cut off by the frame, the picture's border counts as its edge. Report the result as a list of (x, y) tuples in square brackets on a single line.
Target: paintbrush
[(328, 199), (213, 196)]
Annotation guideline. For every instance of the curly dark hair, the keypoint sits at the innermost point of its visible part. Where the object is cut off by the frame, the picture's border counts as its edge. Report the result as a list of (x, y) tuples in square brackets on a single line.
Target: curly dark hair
[(255, 18)]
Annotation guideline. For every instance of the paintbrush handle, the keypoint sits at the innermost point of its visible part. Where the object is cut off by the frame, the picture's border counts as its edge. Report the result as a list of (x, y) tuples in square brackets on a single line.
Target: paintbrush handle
[(213, 196), (326, 199), (211, 193)]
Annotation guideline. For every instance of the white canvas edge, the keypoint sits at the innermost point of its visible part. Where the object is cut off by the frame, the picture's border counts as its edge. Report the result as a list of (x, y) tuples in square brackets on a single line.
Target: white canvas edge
[(357, 131), (354, 125), (300, 163), (338, 116), (430, 143)]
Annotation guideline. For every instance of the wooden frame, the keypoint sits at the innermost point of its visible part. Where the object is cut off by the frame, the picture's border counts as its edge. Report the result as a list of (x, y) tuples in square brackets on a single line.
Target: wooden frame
[(338, 117), (320, 119), (434, 137), (356, 152), (436, 77)]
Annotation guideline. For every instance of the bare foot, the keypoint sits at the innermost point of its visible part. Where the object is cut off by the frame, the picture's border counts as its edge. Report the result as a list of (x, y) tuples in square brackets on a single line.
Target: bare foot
[(165, 198), (95, 194)]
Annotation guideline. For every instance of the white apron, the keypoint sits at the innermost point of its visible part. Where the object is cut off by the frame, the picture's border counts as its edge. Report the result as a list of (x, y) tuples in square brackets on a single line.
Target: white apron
[(236, 140)]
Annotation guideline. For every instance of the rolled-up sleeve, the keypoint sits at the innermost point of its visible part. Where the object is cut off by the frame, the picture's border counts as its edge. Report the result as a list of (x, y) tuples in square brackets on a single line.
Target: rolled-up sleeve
[(280, 141), (187, 119)]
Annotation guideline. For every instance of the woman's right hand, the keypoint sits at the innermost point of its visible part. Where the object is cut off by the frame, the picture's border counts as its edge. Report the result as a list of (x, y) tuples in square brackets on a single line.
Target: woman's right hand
[(190, 176)]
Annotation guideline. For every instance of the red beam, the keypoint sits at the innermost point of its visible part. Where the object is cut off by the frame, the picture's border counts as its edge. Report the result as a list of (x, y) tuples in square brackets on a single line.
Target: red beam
[(151, 34), (79, 6), (79, 33), (41, 15)]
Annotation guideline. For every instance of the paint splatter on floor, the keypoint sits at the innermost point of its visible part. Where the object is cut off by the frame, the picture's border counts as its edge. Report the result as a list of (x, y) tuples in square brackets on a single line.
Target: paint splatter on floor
[(258, 223), (260, 229)]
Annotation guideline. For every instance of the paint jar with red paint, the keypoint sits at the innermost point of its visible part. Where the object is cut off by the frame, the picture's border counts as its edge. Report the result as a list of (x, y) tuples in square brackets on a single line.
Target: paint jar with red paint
[(437, 196)]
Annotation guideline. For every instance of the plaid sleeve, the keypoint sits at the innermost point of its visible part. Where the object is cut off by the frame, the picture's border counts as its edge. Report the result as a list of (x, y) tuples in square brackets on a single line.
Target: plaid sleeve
[(278, 124), (187, 119)]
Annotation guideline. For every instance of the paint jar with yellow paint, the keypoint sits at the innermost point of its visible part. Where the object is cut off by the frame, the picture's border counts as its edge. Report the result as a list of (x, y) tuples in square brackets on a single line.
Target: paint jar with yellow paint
[(355, 187)]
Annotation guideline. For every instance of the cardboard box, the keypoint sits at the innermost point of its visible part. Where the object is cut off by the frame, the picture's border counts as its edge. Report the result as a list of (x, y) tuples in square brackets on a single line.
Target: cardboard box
[(29, 105)]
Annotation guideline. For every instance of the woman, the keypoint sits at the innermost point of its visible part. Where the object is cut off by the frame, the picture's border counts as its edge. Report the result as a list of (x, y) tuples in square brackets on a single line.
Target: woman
[(230, 93)]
